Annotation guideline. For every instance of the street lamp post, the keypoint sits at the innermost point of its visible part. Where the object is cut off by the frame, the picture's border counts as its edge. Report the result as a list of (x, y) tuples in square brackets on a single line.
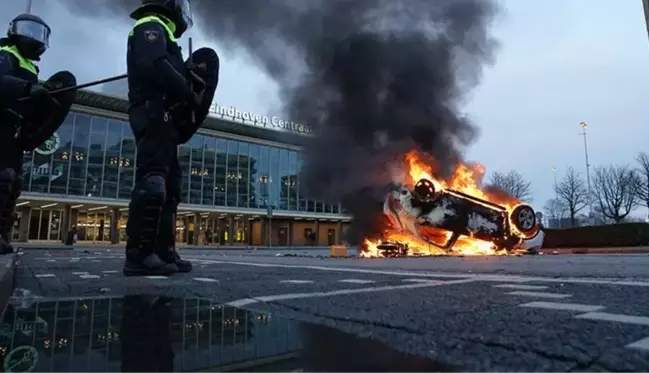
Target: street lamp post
[(265, 180), (554, 173), (583, 126), (645, 6)]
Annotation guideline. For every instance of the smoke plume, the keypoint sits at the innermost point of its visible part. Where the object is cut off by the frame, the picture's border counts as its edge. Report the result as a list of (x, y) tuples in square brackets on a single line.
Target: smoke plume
[(374, 78)]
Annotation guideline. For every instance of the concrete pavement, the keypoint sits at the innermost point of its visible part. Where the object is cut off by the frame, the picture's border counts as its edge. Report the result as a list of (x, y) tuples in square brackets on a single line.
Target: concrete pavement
[(539, 313), (308, 250)]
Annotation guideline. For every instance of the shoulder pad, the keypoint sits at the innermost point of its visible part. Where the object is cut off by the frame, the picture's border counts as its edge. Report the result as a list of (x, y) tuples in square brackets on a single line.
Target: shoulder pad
[(150, 31), (6, 56)]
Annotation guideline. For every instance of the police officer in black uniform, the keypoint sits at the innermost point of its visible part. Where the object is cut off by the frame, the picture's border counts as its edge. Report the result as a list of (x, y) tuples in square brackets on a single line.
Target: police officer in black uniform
[(169, 98), (26, 116)]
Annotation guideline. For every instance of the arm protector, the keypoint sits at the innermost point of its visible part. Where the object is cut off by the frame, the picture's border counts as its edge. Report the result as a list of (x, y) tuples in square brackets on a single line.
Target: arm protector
[(11, 87), (150, 51)]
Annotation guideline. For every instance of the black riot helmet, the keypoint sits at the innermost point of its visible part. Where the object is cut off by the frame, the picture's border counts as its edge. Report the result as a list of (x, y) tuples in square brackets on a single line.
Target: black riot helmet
[(30, 34), (177, 11)]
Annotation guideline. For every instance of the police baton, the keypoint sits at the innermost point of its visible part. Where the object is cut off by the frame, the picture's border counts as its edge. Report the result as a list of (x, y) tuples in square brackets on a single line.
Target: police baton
[(191, 82), (90, 84), (81, 86)]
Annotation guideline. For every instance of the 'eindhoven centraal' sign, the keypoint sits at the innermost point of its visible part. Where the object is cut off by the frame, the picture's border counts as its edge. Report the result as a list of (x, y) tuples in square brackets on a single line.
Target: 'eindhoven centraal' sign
[(258, 119)]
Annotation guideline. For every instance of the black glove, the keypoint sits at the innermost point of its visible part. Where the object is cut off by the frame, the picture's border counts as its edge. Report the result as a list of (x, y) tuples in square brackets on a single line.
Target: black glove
[(190, 65), (37, 90), (198, 84)]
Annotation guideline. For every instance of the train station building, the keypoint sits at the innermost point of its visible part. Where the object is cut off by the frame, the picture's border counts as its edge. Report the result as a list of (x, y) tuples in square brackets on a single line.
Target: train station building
[(241, 181)]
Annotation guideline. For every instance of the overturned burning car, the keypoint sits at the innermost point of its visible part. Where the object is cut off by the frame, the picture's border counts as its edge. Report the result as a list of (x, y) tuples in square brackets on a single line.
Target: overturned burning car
[(439, 217)]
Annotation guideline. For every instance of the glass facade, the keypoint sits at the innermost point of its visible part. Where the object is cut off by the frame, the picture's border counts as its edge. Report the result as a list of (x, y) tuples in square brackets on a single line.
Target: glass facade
[(96, 335), (95, 157)]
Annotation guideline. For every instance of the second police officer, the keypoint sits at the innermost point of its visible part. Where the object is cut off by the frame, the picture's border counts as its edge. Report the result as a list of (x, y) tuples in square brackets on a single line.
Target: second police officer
[(29, 113), (169, 98)]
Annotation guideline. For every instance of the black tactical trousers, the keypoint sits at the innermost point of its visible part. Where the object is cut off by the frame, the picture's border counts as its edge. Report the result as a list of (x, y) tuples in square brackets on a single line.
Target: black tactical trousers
[(151, 217), (11, 181)]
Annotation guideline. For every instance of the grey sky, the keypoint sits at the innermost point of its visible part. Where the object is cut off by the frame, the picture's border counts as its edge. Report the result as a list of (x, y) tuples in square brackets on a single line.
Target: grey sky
[(561, 62)]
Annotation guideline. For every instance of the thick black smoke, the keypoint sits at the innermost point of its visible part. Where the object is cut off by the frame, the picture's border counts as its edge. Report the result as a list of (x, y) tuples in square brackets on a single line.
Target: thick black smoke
[(374, 78)]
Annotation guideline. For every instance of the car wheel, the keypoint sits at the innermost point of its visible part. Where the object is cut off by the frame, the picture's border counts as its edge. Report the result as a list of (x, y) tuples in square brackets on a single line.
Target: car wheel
[(425, 190), (524, 218)]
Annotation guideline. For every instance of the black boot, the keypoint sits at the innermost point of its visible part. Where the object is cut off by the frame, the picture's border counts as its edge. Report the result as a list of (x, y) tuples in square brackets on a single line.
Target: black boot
[(184, 266), (171, 256), (143, 230), (5, 246), (168, 221), (10, 188), (149, 265)]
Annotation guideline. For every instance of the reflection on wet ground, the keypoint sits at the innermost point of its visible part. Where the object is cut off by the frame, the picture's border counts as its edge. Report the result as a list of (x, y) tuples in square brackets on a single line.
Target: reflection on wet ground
[(153, 333)]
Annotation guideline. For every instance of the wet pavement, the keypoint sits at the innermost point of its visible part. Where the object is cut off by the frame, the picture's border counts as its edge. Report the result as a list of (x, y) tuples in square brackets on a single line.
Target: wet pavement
[(151, 333), (561, 313)]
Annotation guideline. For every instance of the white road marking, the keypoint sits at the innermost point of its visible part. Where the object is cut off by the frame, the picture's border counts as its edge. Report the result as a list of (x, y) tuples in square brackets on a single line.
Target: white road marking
[(624, 319), (157, 277), (320, 294), (356, 281), (642, 344), (477, 277), (46, 275), (205, 279), (89, 276), (199, 261), (521, 287), (79, 273), (51, 261), (75, 259), (109, 272), (540, 294), (563, 306), (296, 282), (420, 280)]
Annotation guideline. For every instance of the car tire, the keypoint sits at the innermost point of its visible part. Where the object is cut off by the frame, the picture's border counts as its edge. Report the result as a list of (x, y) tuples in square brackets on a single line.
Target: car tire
[(524, 218), (425, 190)]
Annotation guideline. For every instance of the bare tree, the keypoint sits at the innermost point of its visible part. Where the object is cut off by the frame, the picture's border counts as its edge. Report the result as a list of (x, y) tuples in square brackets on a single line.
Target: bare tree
[(643, 178), (513, 184), (573, 193), (555, 209), (598, 216), (615, 189)]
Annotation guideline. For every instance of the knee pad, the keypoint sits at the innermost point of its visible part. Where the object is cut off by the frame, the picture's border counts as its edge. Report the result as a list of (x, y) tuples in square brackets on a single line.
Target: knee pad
[(175, 193), (18, 187), (145, 209), (8, 181), (168, 218), (170, 205), (151, 191), (9, 192)]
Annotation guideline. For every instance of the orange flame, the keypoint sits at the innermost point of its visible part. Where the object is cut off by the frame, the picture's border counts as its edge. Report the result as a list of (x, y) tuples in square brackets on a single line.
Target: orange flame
[(466, 179)]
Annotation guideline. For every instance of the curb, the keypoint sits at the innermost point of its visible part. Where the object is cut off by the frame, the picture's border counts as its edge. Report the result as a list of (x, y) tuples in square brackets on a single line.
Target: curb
[(58, 248), (7, 279), (596, 250), (179, 248)]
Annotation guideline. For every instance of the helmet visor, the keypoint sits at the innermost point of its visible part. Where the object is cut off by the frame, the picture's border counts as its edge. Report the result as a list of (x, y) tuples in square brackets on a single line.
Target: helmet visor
[(185, 12), (32, 30)]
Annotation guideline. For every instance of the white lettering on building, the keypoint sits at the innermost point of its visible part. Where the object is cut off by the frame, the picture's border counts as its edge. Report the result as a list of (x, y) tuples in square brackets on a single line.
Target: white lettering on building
[(259, 120)]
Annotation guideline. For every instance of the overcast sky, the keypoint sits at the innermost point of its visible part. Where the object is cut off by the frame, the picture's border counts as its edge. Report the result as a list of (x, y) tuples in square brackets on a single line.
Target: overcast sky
[(561, 62)]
